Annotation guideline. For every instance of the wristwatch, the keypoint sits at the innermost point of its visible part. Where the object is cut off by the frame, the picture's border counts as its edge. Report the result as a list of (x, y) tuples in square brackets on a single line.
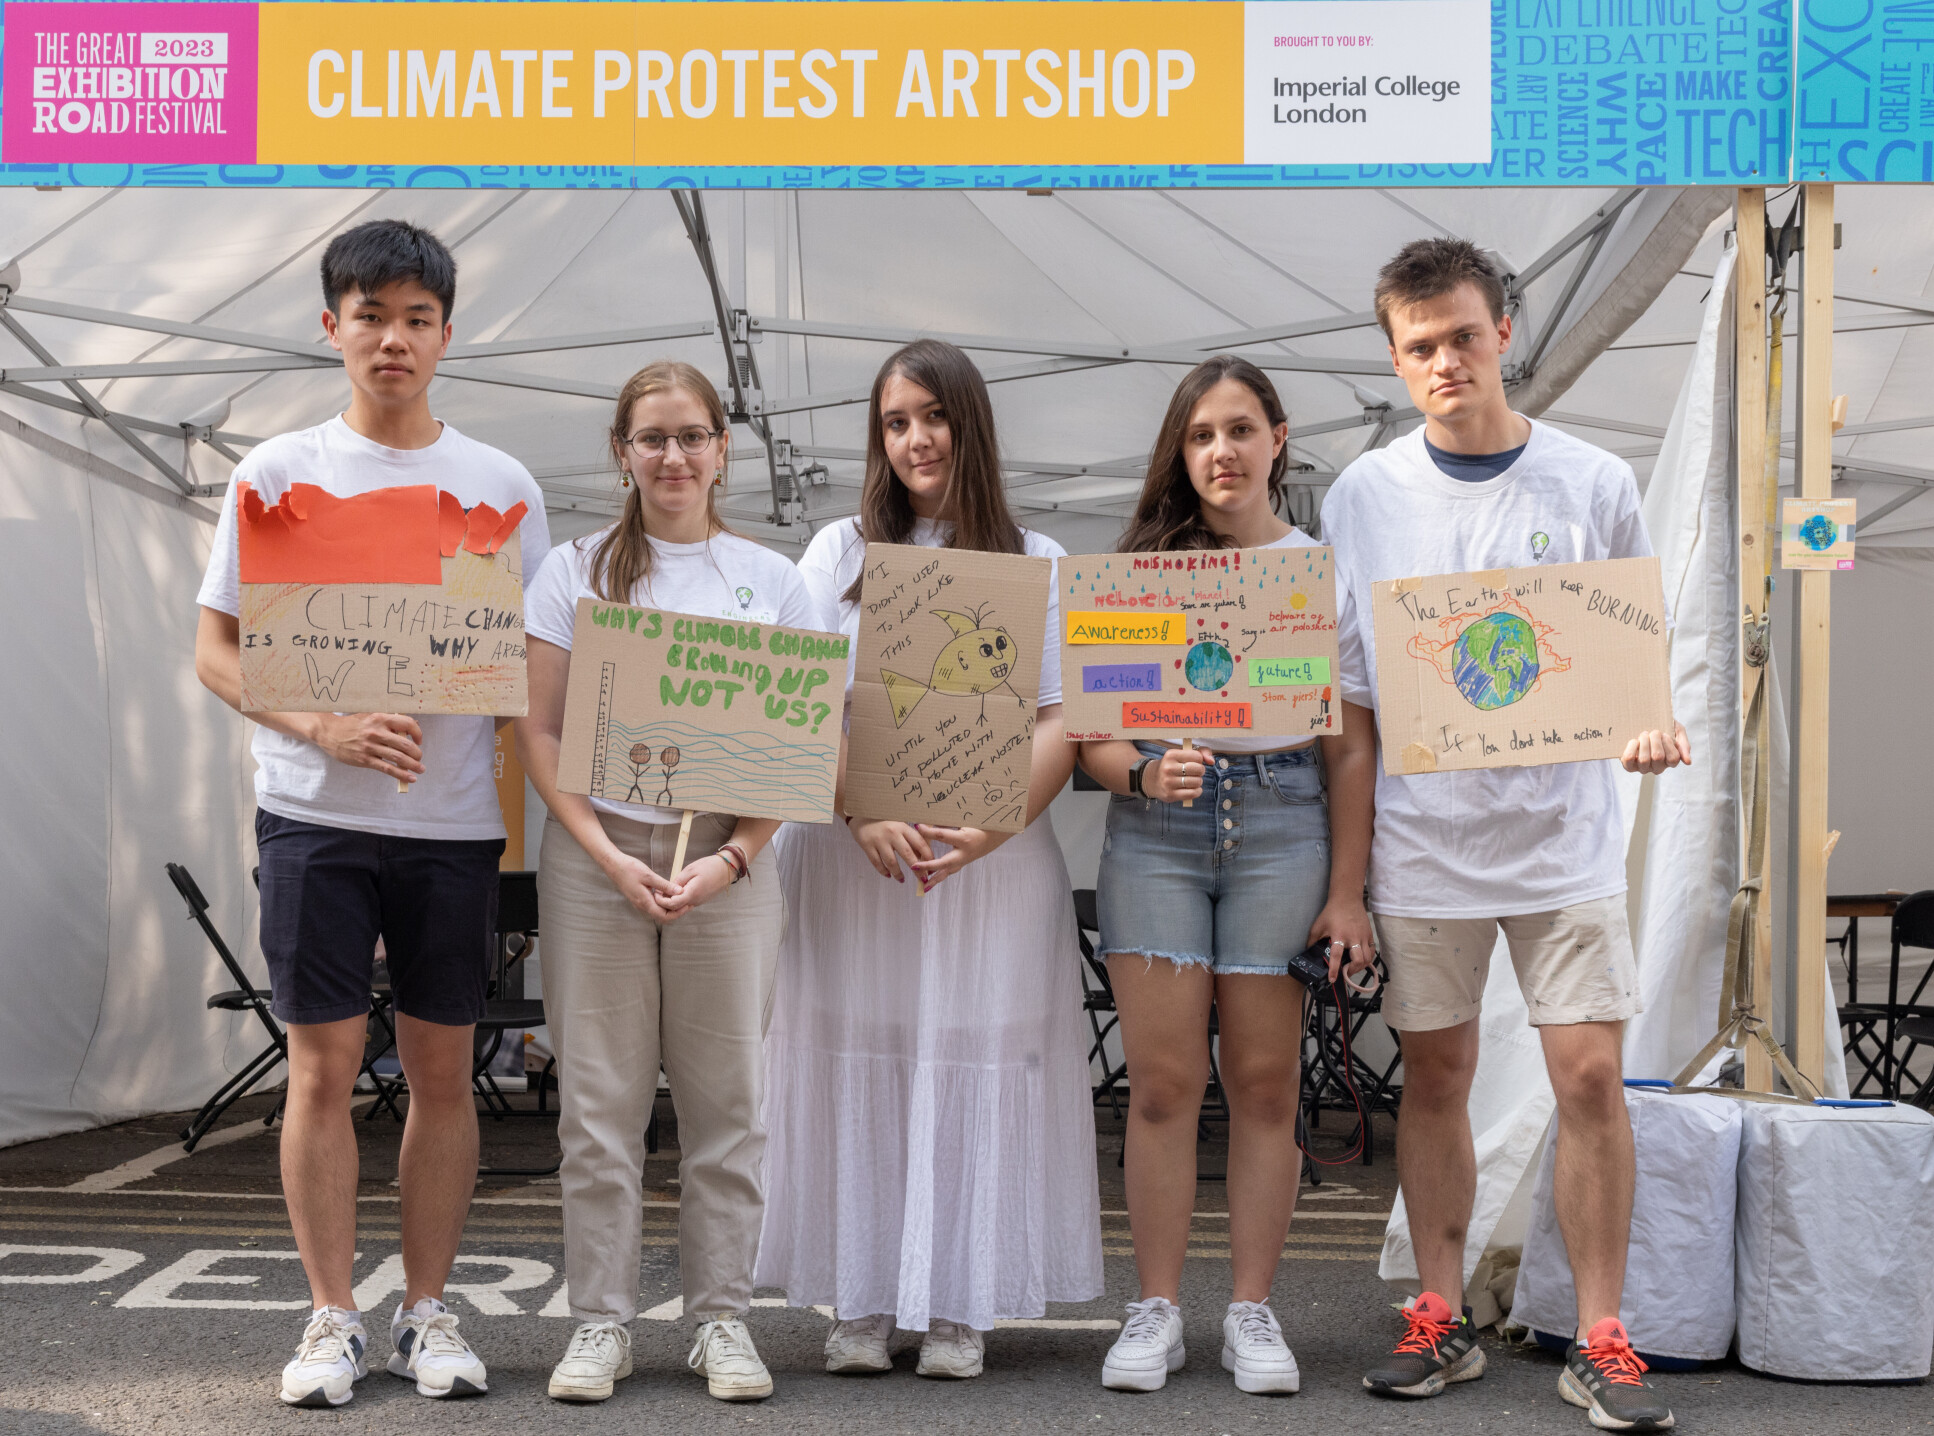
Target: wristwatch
[(1135, 778)]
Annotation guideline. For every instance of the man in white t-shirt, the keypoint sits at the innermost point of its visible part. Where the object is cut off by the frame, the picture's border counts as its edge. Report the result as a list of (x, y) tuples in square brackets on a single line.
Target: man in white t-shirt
[(347, 858), (1452, 857)]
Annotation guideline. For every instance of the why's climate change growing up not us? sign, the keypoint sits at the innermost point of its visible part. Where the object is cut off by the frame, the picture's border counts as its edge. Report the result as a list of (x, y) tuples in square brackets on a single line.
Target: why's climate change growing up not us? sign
[(678, 710)]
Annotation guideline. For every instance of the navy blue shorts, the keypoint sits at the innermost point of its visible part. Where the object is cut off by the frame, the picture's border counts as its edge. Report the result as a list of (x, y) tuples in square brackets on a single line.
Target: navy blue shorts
[(329, 893)]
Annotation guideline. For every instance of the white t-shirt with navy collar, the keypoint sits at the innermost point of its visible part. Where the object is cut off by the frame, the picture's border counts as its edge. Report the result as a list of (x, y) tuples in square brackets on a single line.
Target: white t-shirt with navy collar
[(1487, 842)]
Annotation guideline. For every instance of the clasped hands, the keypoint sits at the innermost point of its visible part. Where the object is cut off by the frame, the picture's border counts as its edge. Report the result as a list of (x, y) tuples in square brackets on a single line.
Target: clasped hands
[(888, 843)]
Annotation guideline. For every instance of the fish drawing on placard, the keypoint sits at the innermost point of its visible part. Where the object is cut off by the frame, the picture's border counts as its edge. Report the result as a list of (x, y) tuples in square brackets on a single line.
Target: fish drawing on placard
[(974, 664)]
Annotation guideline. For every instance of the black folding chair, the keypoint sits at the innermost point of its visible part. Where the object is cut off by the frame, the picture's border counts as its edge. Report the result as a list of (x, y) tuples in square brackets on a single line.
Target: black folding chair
[(1098, 1001), (1913, 926), (245, 997), (516, 939)]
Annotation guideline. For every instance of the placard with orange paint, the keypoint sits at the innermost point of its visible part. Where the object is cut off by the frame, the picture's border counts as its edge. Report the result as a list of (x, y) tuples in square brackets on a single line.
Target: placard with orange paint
[(1199, 643), (395, 601)]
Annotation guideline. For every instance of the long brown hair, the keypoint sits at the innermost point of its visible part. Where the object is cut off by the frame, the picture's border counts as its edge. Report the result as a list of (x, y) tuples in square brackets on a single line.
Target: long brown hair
[(982, 519), (1169, 513), (622, 557)]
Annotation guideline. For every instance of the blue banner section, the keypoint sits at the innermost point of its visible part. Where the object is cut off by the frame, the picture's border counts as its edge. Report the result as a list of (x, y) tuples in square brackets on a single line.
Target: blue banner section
[(1866, 110)]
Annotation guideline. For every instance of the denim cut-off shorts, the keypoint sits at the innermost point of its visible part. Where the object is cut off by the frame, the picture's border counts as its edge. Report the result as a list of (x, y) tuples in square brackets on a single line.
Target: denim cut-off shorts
[(1231, 884)]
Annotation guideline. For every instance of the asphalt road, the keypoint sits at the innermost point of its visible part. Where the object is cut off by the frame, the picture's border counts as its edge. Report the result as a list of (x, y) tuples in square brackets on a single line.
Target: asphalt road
[(195, 1300)]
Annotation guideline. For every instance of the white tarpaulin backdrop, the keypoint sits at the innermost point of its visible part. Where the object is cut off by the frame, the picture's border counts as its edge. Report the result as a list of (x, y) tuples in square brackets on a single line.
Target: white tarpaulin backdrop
[(113, 760)]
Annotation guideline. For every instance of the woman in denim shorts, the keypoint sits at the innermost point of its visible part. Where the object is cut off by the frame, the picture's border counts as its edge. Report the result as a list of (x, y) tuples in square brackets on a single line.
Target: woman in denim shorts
[(1204, 905)]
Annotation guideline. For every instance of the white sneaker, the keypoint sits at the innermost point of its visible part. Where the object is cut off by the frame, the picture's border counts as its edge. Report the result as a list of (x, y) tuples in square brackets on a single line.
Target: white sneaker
[(858, 1346), (329, 1362), (1253, 1348), (1149, 1347), (951, 1352), (598, 1356), (430, 1353), (723, 1353)]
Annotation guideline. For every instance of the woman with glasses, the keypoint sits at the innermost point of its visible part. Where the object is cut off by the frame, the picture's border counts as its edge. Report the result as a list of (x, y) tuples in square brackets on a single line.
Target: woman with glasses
[(641, 964), (932, 1164)]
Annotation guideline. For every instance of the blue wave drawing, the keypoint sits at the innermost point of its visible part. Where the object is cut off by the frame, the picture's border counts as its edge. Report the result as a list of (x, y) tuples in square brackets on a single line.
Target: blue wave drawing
[(709, 762)]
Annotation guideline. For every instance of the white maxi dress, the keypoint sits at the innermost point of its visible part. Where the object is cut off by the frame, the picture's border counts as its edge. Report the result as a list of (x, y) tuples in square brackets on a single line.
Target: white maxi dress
[(932, 1149)]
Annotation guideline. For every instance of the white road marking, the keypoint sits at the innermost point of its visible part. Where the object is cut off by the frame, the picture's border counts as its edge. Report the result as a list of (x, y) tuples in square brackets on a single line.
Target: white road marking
[(675, 1308), (109, 1262), (143, 1167), (1048, 1323), (520, 1274), (193, 1270)]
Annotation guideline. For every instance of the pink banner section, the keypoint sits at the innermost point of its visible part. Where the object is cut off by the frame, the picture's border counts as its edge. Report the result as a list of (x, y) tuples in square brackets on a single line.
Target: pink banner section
[(130, 84)]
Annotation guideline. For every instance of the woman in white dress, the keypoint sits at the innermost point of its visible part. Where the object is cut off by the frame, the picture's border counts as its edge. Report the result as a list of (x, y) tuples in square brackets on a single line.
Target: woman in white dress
[(931, 1161)]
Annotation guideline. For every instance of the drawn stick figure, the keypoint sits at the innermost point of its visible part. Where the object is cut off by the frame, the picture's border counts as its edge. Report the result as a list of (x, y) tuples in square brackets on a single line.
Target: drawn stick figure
[(640, 756), (669, 757)]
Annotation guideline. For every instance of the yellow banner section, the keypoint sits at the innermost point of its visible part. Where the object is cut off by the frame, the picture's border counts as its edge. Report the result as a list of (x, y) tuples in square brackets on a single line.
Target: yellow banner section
[(926, 82), (1155, 628)]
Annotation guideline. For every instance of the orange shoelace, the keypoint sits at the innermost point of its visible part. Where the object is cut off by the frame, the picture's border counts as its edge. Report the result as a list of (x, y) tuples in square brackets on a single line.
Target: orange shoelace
[(1423, 1335), (1616, 1362)]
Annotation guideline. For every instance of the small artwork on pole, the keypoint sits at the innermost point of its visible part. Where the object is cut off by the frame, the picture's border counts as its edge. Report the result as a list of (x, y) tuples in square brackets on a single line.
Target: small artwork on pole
[(672, 710), (395, 601), (1817, 534), (1558, 664)]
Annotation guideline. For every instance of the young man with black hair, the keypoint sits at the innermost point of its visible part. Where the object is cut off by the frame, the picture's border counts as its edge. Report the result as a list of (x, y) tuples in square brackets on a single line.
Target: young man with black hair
[(1452, 857), (346, 857)]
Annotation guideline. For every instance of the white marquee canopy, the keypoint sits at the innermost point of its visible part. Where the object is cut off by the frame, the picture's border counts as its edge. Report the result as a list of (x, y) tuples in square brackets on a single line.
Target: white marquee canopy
[(149, 337)]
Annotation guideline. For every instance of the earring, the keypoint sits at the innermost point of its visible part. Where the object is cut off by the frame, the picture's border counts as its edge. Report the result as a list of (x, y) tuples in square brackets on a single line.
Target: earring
[(626, 478), (718, 479)]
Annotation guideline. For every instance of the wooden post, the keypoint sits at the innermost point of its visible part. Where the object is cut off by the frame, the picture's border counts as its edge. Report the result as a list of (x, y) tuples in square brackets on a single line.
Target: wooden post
[(1812, 627), (684, 837), (1755, 542)]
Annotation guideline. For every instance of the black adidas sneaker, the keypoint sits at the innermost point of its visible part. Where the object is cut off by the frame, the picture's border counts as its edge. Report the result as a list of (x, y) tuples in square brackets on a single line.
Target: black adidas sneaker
[(1437, 1349)]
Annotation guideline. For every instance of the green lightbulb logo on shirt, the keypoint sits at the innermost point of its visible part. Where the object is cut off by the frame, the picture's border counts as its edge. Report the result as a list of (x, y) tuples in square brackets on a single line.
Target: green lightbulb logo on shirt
[(1539, 542)]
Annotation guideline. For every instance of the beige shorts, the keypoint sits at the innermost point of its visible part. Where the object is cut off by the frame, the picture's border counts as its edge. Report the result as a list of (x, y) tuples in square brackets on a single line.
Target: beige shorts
[(1574, 964)]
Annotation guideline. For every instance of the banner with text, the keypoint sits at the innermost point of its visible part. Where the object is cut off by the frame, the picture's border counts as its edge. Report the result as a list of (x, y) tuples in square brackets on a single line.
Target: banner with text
[(923, 93)]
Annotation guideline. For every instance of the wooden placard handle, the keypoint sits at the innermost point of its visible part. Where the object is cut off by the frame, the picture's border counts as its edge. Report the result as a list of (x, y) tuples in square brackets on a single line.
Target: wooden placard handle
[(1188, 746), (684, 837)]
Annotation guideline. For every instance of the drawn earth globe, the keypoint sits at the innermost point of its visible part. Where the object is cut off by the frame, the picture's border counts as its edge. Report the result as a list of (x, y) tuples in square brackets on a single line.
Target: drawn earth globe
[(1208, 665), (1495, 661), (1818, 532), (641, 753)]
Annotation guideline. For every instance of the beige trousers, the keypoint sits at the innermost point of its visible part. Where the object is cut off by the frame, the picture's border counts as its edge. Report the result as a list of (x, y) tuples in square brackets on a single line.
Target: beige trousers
[(623, 994)]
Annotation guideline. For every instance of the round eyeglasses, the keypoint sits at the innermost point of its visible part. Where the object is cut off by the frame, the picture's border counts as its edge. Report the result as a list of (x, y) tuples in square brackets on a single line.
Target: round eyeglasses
[(649, 443)]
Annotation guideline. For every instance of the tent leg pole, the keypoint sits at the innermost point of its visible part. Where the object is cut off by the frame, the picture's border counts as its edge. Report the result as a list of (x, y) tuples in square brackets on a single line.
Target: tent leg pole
[(1755, 541), (1812, 624)]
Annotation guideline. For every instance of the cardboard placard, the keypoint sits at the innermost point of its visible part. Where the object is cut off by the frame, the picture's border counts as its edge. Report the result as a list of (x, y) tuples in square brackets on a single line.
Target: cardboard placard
[(1511, 667), (948, 682), (1816, 534), (1201, 642), (675, 710), (450, 647)]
